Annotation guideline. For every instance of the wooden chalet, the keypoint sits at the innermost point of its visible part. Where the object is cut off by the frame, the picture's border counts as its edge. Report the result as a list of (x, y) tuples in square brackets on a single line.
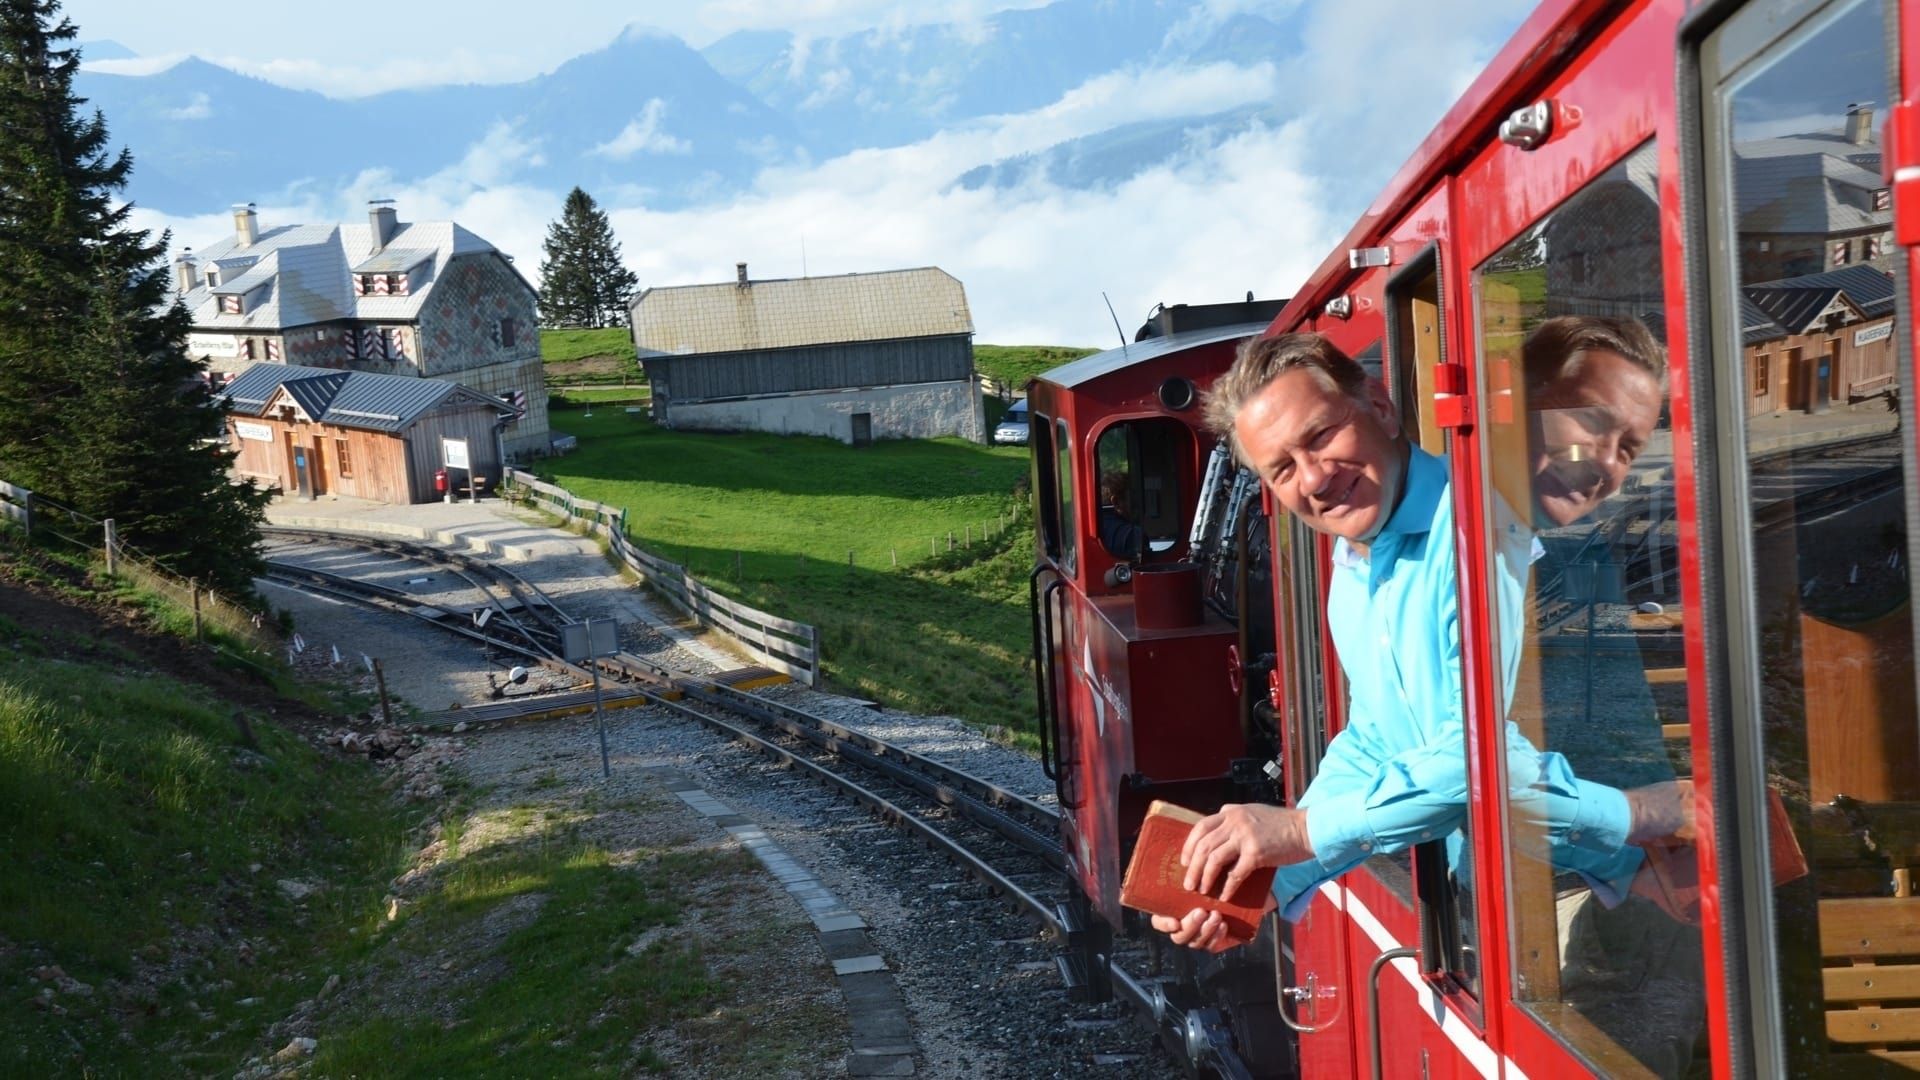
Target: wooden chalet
[(319, 431)]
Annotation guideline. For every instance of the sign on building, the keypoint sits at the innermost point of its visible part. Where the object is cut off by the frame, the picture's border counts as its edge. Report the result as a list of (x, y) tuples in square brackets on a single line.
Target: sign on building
[(454, 453), (256, 432), (213, 345), (1872, 334)]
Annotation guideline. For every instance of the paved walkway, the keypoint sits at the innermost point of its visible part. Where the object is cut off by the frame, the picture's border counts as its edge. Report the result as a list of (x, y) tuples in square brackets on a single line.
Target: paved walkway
[(493, 527)]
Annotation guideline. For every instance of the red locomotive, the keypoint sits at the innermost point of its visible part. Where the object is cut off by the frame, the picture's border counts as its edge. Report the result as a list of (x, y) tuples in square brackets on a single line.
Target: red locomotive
[(1692, 575)]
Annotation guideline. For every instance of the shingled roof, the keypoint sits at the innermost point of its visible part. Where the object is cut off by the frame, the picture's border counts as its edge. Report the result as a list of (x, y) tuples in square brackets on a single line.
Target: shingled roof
[(784, 313), (353, 399)]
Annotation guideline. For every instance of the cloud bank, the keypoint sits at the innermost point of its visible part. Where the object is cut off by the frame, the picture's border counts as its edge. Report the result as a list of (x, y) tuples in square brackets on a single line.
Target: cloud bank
[(1254, 213)]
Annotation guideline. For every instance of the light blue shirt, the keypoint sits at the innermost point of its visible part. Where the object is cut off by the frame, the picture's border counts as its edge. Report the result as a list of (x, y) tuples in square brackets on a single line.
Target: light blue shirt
[(1396, 775)]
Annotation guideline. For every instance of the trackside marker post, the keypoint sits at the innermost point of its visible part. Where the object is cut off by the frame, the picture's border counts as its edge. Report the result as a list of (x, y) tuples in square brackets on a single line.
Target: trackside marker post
[(589, 641)]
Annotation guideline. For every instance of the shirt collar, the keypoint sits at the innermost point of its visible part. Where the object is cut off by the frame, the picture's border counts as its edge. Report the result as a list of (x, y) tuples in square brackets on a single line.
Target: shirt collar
[(1425, 484)]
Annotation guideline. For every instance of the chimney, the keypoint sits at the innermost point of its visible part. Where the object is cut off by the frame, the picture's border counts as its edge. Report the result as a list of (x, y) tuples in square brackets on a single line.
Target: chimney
[(246, 225), (740, 272), (1860, 123), (381, 216), (183, 271)]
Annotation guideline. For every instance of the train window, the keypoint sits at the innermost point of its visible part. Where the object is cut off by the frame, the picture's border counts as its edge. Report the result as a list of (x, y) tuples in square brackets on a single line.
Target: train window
[(1063, 482), (1417, 346), (1586, 593), (1297, 599), (1808, 365), (1139, 464), (1046, 502)]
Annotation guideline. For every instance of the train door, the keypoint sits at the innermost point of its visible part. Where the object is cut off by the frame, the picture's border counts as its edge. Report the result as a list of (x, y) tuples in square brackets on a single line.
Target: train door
[(1811, 723), (1587, 870)]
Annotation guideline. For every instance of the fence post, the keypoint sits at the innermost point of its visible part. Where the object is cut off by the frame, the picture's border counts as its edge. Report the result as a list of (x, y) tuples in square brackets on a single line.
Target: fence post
[(113, 543), (27, 504), (193, 586), (380, 679), (813, 651)]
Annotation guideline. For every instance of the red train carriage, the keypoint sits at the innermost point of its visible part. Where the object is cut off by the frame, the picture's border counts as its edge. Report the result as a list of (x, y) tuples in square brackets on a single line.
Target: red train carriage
[(1720, 600)]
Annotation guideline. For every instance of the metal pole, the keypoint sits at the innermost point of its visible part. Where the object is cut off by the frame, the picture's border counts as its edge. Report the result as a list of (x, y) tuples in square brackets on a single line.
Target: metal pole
[(599, 719), (193, 586), (113, 555)]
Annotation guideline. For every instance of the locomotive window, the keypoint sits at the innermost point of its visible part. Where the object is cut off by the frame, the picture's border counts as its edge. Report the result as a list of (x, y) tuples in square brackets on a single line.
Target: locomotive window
[(1297, 629), (1046, 503), (1063, 480), (1140, 463), (1582, 542), (1416, 344), (1826, 761)]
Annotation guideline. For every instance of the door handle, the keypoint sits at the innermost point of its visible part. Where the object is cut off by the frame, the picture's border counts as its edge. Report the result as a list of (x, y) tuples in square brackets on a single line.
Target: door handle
[(1373, 998), (1307, 998)]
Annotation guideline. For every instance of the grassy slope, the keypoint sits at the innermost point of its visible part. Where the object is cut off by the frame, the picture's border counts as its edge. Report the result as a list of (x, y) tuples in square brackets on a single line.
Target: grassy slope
[(938, 633), (1015, 364), (132, 818), (142, 847), (578, 357)]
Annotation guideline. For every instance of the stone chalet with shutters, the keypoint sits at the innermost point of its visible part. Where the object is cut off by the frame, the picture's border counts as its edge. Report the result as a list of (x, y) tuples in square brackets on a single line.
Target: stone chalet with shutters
[(855, 357), (426, 299)]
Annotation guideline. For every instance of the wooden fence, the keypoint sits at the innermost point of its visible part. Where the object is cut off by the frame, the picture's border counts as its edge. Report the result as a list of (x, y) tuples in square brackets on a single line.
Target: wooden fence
[(781, 644), (16, 505)]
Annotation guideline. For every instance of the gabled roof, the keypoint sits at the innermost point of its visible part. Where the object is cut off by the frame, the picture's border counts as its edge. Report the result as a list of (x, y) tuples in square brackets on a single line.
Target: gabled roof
[(355, 399), (1794, 303), (785, 313), (299, 275), (1810, 182)]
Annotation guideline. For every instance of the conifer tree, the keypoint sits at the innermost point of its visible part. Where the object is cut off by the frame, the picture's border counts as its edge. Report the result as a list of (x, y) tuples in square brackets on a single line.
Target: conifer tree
[(582, 280), (100, 406)]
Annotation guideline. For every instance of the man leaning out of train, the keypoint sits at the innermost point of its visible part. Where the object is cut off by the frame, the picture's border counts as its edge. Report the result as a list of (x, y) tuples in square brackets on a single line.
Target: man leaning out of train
[(1326, 439)]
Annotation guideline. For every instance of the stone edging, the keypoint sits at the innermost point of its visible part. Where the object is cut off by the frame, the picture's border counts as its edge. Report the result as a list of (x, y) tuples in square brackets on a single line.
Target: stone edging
[(882, 1039)]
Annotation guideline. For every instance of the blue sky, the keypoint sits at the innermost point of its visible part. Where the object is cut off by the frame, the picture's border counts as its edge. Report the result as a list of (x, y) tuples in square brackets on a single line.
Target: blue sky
[(1256, 213)]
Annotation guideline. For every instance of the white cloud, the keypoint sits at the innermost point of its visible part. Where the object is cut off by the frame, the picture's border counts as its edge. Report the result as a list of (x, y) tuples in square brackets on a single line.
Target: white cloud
[(643, 134), (199, 108)]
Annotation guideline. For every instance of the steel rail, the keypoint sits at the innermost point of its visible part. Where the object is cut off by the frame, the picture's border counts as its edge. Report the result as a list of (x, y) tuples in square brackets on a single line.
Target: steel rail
[(974, 864)]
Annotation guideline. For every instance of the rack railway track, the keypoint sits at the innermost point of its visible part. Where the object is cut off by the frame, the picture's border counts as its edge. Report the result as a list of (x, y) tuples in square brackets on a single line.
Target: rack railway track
[(1002, 839)]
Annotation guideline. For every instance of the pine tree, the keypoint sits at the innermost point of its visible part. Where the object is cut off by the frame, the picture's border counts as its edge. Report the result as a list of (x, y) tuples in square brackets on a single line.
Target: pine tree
[(582, 280), (100, 406)]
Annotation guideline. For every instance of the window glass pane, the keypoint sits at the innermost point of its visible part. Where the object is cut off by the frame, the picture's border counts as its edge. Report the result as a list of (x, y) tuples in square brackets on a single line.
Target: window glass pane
[(1824, 483), (1063, 477), (1140, 462), (1046, 505), (1588, 623)]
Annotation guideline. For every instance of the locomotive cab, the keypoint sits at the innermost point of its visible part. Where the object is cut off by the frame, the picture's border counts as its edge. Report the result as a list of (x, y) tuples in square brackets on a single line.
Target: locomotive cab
[(1135, 661)]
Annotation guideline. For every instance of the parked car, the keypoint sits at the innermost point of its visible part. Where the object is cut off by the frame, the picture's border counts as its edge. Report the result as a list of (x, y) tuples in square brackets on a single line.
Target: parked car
[(1013, 426)]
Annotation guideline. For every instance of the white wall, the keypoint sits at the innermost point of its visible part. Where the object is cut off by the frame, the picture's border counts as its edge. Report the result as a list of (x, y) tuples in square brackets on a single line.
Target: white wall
[(922, 411)]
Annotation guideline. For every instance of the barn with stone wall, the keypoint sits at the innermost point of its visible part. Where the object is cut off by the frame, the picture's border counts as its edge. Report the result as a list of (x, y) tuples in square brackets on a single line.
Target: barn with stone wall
[(855, 357)]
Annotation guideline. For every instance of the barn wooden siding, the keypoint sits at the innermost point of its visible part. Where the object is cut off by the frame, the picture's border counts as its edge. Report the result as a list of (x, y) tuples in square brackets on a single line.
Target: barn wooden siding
[(847, 366)]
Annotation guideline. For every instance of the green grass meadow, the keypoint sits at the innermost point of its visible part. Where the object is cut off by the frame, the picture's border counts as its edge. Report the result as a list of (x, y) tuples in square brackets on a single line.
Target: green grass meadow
[(773, 520), (1015, 364)]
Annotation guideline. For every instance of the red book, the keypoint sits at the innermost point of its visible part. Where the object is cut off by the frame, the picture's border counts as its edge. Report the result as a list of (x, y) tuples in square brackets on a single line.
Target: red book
[(1677, 869), (1154, 881)]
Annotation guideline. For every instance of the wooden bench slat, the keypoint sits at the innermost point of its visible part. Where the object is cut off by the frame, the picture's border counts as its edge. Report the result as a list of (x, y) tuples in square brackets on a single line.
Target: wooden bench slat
[(1870, 926), (1872, 982), (1666, 676), (1873, 1025)]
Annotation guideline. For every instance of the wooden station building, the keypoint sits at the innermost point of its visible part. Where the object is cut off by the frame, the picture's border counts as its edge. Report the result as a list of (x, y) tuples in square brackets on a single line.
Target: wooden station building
[(321, 431)]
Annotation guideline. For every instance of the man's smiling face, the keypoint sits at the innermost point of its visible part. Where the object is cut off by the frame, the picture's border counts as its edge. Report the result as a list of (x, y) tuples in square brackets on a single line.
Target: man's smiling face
[(1332, 460)]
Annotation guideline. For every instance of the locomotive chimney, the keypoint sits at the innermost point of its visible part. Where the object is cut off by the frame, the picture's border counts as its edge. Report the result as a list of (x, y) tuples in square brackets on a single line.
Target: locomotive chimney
[(740, 274), (1860, 123)]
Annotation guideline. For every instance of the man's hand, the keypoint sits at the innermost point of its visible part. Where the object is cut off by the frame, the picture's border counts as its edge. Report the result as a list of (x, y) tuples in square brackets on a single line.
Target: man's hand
[(1683, 905), (1242, 838), (1201, 929), (1661, 812)]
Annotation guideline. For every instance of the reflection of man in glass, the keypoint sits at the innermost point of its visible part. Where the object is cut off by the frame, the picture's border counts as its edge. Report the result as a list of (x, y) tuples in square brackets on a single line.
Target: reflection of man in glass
[(1593, 393), (1326, 440)]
